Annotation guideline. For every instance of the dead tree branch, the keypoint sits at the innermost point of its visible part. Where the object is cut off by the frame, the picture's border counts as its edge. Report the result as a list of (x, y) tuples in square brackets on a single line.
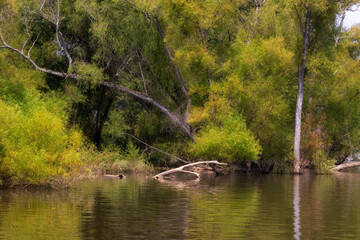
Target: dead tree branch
[(345, 165), (191, 170)]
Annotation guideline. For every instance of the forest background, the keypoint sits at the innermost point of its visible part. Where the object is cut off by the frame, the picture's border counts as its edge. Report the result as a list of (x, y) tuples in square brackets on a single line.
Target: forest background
[(272, 84)]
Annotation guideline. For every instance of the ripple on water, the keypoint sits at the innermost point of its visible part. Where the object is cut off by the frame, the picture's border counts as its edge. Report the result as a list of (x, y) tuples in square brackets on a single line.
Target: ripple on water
[(238, 207)]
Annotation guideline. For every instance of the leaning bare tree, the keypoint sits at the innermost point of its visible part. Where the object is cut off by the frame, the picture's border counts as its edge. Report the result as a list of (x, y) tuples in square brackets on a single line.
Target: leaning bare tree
[(49, 11)]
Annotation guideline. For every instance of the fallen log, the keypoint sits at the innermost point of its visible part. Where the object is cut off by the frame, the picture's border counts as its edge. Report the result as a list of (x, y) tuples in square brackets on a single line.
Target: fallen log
[(119, 176), (192, 171), (346, 165)]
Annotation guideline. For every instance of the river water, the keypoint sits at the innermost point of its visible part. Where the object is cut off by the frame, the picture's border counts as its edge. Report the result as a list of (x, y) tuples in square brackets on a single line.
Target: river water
[(234, 207)]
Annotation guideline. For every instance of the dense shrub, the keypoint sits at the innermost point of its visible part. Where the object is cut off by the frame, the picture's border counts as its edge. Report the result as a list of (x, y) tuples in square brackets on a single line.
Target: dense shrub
[(35, 143), (230, 141)]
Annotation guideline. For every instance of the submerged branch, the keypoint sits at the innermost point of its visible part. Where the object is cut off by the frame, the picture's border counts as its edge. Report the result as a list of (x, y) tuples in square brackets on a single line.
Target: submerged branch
[(191, 170)]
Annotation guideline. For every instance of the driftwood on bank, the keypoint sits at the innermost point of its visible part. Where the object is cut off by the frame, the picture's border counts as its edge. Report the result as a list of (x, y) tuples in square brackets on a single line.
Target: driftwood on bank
[(192, 171), (346, 165)]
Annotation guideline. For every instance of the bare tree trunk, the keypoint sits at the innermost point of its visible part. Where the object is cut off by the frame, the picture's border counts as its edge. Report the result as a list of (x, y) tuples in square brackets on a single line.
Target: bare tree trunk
[(300, 95)]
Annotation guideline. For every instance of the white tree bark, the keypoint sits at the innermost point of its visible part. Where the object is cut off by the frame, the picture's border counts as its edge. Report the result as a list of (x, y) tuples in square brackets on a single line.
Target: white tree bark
[(345, 166), (189, 169), (300, 95)]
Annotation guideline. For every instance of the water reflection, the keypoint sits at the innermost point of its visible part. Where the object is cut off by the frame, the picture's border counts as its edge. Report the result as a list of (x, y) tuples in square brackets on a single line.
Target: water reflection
[(237, 207), (296, 202), (130, 210), (38, 215)]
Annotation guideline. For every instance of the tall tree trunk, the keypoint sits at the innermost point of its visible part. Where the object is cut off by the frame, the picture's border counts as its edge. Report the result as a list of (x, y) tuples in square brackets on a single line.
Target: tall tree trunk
[(300, 95)]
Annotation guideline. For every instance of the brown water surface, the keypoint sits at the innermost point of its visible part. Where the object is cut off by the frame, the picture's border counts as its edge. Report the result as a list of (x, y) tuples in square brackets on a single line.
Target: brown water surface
[(236, 207)]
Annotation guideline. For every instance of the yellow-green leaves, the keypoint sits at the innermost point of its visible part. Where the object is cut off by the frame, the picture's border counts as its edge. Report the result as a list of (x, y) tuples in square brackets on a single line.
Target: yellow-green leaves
[(35, 143), (90, 72), (230, 141)]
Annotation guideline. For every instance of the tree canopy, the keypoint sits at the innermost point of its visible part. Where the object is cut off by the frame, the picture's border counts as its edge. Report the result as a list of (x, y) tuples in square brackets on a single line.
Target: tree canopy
[(273, 82)]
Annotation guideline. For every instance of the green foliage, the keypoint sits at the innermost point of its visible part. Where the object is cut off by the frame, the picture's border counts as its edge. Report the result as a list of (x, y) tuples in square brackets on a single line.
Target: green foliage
[(91, 72), (235, 58), (36, 145), (115, 128), (231, 141), (114, 160)]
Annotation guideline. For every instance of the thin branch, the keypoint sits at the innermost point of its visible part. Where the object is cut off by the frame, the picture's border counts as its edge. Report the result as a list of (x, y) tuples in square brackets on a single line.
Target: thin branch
[(185, 127), (141, 72), (42, 5), (28, 58), (156, 22), (156, 79), (148, 145), (177, 71), (27, 33), (92, 18), (125, 64), (146, 14), (58, 13), (44, 17), (59, 35), (33, 44), (300, 21), (336, 143)]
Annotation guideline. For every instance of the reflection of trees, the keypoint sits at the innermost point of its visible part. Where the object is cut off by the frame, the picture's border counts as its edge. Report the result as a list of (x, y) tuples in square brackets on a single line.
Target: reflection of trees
[(243, 207), (29, 215), (330, 209), (221, 209), (274, 217), (218, 209), (221, 216), (296, 202), (136, 211)]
